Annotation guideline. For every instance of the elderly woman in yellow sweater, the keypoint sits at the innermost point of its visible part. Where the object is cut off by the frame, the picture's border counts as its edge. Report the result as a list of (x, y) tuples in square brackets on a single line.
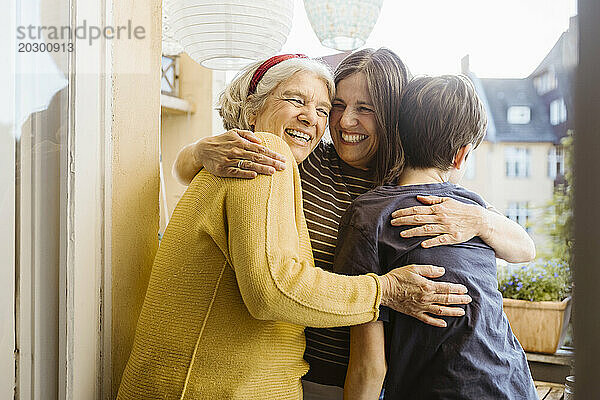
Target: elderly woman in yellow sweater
[(233, 283)]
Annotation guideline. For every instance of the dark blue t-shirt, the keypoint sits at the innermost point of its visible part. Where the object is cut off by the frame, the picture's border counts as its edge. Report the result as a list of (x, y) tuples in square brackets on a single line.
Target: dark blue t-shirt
[(476, 356)]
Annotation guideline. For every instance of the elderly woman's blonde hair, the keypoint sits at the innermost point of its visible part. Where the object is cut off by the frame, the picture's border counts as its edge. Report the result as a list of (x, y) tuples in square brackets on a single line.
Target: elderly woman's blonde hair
[(236, 107)]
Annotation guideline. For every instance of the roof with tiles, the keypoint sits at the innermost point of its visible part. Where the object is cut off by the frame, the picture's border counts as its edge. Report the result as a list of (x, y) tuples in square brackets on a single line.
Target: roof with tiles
[(500, 95)]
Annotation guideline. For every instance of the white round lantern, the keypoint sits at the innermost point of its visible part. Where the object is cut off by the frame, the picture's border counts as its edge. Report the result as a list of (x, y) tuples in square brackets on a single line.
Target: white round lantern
[(229, 34), (170, 46), (343, 24)]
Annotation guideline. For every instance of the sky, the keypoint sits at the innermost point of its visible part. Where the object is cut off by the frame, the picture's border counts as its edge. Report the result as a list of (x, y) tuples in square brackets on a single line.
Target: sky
[(504, 39)]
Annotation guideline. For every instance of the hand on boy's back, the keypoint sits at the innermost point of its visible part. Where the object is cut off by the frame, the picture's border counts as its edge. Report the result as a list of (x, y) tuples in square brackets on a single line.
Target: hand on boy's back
[(449, 220), (407, 290)]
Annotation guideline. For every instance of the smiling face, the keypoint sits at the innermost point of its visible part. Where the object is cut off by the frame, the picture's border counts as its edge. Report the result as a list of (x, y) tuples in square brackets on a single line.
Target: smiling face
[(352, 123), (296, 110)]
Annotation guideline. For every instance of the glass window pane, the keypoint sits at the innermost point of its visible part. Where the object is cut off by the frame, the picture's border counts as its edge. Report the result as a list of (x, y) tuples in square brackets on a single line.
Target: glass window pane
[(40, 122)]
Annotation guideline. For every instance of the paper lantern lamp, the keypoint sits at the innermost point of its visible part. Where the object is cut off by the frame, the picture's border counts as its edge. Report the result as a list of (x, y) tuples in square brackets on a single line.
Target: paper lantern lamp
[(343, 24), (170, 46), (228, 35)]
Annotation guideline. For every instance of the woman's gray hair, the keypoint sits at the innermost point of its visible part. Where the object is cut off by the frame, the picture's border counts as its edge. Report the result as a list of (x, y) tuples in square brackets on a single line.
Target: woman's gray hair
[(237, 108)]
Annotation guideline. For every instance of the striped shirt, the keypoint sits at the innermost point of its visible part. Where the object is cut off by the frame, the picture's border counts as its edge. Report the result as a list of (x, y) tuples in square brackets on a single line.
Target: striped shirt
[(329, 185)]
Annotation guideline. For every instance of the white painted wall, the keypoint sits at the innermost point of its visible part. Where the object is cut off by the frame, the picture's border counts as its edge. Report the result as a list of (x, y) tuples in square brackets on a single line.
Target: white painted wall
[(7, 263), (7, 215)]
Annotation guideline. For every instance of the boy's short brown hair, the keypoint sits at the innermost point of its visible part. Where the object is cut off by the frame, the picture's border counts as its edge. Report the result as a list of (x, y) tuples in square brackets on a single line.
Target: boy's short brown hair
[(438, 116)]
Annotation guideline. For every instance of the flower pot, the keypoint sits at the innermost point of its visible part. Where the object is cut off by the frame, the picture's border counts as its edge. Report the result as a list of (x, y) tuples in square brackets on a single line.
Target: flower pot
[(540, 326)]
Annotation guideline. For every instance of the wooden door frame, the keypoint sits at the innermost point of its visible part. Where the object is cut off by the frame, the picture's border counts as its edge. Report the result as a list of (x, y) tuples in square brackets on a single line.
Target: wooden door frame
[(86, 318)]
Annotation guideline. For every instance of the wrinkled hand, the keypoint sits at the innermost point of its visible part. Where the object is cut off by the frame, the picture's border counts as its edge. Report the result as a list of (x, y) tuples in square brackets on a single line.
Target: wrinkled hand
[(220, 155), (449, 220), (407, 290)]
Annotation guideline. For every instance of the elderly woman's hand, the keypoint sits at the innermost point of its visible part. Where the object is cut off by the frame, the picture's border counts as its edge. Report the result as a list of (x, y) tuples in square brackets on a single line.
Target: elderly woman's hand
[(452, 221), (221, 155), (449, 220), (407, 290)]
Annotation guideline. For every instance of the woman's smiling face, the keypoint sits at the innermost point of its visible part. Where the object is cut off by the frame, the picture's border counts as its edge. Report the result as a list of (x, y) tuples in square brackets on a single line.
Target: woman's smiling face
[(352, 123), (296, 111)]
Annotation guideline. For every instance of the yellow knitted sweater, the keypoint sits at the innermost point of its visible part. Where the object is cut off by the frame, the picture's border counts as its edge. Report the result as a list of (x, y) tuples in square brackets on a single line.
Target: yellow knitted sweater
[(232, 286)]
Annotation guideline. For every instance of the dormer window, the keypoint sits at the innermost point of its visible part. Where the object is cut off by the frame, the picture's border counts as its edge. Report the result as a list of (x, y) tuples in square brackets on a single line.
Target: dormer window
[(545, 82), (558, 111), (518, 115)]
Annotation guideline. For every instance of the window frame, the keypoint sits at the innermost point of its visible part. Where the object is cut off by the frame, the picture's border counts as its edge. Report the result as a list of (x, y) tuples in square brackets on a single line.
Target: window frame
[(556, 162), (171, 68), (513, 116), (558, 111), (518, 211), (7, 249), (517, 162)]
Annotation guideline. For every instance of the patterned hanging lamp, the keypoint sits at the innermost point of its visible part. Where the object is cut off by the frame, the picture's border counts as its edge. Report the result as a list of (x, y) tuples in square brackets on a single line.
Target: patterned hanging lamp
[(343, 24), (229, 34), (170, 46)]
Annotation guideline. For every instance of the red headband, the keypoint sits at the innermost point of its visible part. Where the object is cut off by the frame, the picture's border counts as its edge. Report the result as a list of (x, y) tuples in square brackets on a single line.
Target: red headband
[(264, 67)]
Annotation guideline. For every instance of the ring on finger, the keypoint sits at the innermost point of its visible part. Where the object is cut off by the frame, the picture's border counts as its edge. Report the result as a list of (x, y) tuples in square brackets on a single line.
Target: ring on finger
[(240, 164)]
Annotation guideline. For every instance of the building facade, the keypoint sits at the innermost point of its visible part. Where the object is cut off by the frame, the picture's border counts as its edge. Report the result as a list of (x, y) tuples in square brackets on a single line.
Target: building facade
[(521, 159)]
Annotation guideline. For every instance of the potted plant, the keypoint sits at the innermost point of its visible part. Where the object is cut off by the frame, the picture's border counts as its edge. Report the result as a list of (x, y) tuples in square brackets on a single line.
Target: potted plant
[(537, 303)]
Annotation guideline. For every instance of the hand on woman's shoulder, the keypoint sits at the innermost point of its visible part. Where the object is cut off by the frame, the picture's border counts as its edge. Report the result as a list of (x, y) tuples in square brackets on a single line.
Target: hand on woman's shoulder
[(276, 144)]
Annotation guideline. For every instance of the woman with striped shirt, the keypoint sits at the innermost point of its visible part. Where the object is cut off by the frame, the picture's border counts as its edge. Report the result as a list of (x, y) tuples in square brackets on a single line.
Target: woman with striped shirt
[(369, 85)]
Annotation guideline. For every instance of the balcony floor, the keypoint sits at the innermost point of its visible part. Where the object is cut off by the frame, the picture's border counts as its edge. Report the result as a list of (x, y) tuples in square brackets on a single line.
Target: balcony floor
[(549, 391)]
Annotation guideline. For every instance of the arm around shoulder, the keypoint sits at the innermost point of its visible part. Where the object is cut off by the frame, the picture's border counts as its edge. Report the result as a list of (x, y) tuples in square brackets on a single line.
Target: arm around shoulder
[(186, 164), (220, 155), (509, 240)]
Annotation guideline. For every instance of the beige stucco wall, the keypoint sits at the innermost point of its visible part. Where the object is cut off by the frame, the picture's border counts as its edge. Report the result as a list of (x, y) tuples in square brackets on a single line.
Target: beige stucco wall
[(491, 182), (135, 170), (181, 129)]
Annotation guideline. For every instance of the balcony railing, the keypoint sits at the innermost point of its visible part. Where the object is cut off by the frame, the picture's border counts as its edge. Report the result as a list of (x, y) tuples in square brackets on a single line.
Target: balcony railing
[(169, 84)]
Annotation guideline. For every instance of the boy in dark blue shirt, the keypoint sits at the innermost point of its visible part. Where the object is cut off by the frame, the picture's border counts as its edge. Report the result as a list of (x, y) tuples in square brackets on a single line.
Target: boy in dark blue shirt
[(476, 356)]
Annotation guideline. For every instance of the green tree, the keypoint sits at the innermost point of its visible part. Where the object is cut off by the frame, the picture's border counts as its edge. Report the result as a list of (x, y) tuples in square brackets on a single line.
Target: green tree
[(558, 221)]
